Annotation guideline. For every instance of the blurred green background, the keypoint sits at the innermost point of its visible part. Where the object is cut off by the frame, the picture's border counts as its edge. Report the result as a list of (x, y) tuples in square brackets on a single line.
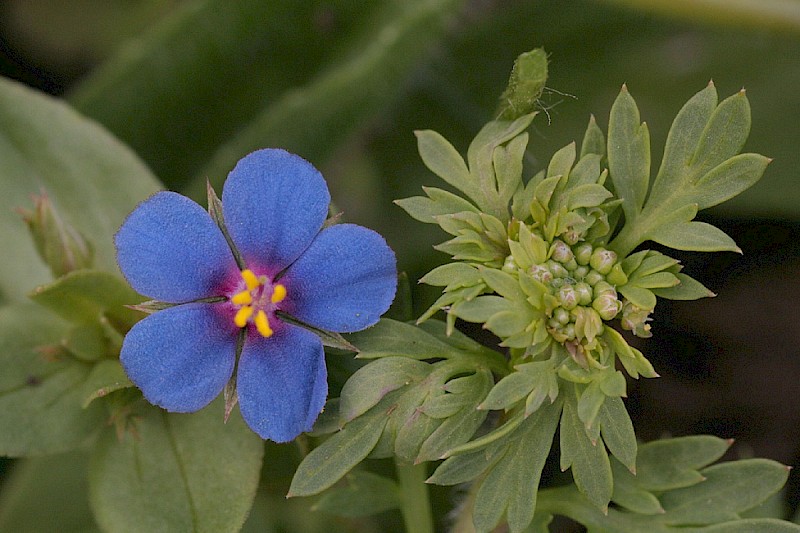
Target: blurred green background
[(192, 86)]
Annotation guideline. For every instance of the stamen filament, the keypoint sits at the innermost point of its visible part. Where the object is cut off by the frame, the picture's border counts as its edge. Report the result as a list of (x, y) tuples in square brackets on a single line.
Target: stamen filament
[(278, 293), (262, 324), (243, 315)]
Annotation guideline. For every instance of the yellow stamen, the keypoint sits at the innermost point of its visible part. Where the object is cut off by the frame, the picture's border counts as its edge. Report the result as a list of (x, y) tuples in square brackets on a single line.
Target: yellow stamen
[(278, 293), (242, 316), (262, 324), (250, 279), (242, 298)]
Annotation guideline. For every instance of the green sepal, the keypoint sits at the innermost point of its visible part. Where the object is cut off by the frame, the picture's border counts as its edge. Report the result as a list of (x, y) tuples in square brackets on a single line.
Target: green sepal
[(363, 494)]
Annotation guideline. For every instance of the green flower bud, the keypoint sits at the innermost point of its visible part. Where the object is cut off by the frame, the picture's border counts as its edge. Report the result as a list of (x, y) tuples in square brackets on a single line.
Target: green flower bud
[(603, 287), (607, 306), (541, 274), (585, 293), (561, 252), (580, 272), (557, 269), (553, 323), (594, 277), (583, 253), (571, 236), (509, 265), (569, 331), (568, 297), (617, 275), (561, 316), (603, 260), (571, 265), (635, 319), (61, 246)]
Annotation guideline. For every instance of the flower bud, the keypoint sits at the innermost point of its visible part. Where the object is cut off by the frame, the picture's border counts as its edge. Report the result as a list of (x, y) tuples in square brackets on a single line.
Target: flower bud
[(571, 236), (635, 319), (607, 306), (603, 287), (509, 265), (61, 246), (583, 253), (617, 275), (561, 315), (561, 252), (541, 274), (569, 331), (580, 272), (571, 265), (585, 293), (594, 277), (603, 260), (567, 297), (557, 269)]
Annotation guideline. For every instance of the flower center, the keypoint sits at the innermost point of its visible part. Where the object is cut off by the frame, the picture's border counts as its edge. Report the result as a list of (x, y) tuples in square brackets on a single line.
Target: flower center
[(256, 302)]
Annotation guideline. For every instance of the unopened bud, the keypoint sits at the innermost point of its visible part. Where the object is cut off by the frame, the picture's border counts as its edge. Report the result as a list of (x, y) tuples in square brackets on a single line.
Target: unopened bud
[(594, 277), (603, 260), (541, 274), (61, 246), (557, 269), (607, 306), (580, 272), (617, 275), (561, 252), (568, 297), (635, 319), (602, 288), (585, 293), (561, 315), (583, 253), (509, 265)]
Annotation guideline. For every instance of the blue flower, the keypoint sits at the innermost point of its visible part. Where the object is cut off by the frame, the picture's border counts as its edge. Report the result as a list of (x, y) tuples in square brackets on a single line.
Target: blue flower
[(274, 204)]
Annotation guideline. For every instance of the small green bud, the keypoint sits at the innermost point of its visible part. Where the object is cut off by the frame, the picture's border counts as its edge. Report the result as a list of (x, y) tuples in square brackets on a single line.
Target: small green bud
[(594, 277), (580, 272), (583, 253), (541, 274), (553, 323), (617, 275), (569, 331), (568, 297), (604, 287), (607, 306), (571, 236), (561, 316), (603, 260), (61, 246), (557, 269), (561, 252), (585, 293), (509, 265), (571, 265), (635, 319)]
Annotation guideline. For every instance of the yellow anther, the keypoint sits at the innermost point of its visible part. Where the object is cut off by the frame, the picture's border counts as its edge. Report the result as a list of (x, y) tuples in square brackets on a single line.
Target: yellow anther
[(262, 324), (278, 293), (242, 316), (250, 279), (242, 298)]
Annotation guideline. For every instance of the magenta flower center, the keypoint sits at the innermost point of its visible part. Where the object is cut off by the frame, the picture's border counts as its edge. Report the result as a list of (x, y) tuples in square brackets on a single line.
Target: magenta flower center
[(256, 301)]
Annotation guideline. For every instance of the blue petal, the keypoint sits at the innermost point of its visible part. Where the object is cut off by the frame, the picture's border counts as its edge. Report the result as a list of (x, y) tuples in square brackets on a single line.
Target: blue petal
[(181, 357), (170, 249), (274, 204), (282, 382), (344, 281)]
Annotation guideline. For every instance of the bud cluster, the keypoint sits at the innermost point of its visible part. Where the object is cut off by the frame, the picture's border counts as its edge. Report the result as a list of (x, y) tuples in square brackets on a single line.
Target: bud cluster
[(581, 280)]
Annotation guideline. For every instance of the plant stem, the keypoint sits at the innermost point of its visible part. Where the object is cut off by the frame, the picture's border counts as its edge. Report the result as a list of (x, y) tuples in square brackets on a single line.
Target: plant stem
[(414, 503)]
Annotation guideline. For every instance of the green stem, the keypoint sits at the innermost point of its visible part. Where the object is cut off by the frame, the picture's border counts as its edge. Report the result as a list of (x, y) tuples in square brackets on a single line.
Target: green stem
[(414, 503)]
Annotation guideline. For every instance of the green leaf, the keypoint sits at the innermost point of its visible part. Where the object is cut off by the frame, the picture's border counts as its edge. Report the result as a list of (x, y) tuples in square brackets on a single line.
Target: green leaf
[(628, 155), (106, 377), (443, 160), (364, 494), (675, 463), (594, 142), (85, 295), (688, 289), (694, 236), (335, 457), (727, 490), (177, 472), (438, 202), (42, 390), (617, 430), (591, 469), (92, 180), (372, 70), (390, 337), (512, 490), (42, 492), (373, 381)]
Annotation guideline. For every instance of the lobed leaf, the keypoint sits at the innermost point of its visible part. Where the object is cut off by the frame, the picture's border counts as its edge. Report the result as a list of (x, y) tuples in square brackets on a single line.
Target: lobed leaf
[(363, 494)]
